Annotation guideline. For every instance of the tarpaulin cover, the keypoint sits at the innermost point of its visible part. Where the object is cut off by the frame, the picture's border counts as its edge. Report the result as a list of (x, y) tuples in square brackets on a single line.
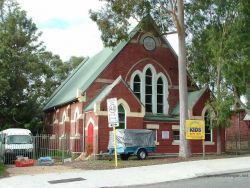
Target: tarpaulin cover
[(132, 138)]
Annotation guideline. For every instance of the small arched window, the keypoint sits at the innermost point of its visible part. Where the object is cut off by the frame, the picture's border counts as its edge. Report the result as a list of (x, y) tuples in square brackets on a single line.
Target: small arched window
[(148, 90), (208, 128), (160, 95), (137, 86), (76, 117), (122, 117), (64, 117)]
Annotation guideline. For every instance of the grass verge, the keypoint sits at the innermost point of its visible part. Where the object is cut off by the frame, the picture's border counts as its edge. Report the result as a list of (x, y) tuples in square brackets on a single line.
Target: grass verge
[(1, 169)]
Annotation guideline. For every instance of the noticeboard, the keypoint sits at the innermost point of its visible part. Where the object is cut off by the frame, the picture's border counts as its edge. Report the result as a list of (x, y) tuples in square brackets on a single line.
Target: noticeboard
[(195, 129)]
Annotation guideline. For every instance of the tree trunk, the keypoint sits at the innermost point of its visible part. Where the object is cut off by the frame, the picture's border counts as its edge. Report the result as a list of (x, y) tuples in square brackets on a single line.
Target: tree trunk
[(218, 146), (184, 148)]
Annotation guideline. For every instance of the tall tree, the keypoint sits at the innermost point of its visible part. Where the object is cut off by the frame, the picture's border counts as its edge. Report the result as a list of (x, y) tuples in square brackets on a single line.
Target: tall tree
[(113, 21), (28, 73), (219, 53), (18, 49)]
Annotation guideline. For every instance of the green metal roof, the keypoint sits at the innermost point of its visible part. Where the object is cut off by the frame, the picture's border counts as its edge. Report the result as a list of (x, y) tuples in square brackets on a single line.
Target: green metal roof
[(159, 117), (84, 75), (193, 98)]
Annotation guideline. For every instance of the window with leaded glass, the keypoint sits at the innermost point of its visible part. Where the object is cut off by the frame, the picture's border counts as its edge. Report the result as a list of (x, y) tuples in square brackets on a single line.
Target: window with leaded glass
[(137, 86), (160, 96), (176, 134), (208, 130), (122, 117), (148, 91)]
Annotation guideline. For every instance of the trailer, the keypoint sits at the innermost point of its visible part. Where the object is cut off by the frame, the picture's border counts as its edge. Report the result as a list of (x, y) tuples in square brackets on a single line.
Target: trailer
[(139, 142)]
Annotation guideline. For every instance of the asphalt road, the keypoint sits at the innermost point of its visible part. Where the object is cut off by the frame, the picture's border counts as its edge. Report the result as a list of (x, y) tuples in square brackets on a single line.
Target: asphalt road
[(237, 180)]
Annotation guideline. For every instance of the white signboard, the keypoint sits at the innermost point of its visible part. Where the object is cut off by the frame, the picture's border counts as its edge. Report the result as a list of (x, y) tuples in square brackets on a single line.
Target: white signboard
[(165, 134), (112, 112)]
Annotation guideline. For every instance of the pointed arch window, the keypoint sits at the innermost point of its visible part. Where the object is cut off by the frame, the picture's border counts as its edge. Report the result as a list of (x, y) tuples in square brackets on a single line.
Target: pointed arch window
[(160, 96), (148, 91), (122, 117), (208, 130), (137, 86), (64, 117), (151, 88), (76, 117)]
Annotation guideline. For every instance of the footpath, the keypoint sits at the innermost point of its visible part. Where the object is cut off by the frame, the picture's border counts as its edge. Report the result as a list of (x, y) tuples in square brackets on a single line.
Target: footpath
[(130, 176)]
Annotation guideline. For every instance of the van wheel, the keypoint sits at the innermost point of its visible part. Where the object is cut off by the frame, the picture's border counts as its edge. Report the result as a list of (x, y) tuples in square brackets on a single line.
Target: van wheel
[(142, 154)]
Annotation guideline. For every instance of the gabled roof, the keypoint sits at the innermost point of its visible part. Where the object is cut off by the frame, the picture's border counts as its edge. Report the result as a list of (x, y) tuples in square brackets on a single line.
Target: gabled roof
[(193, 98), (87, 72), (104, 92), (85, 75), (247, 117)]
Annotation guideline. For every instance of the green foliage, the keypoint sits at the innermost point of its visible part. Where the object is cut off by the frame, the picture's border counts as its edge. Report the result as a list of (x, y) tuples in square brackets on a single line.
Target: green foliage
[(114, 19), (1, 169), (219, 51), (28, 73), (219, 32)]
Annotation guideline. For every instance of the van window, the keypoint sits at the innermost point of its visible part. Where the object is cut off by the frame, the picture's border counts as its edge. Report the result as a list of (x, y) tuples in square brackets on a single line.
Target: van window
[(19, 139)]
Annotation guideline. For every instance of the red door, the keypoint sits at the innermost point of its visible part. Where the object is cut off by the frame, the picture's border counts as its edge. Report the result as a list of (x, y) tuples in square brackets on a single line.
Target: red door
[(90, 140)]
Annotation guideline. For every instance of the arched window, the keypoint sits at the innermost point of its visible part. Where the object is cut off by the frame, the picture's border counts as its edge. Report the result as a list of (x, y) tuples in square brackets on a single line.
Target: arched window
[(76, 116), (148, 90), (208, 129), (122, 117), (160, 96), (137, 86), (64, 117), (151, 88)]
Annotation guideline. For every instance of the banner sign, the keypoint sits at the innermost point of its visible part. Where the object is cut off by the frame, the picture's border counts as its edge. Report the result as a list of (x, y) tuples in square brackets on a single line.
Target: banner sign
[(195, 129)]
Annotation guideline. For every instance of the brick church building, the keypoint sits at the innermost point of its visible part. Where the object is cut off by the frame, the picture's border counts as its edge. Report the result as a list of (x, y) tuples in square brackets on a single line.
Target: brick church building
[(142, 73)]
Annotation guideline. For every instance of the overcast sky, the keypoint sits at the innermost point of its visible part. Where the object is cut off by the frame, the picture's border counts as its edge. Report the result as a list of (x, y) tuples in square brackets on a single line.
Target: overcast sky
[(66, 26)]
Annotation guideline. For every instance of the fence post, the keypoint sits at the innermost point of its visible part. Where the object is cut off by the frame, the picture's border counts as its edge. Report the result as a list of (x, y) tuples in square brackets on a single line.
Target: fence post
[(34, 147), (248, 143), (236, 144), (63, 144)]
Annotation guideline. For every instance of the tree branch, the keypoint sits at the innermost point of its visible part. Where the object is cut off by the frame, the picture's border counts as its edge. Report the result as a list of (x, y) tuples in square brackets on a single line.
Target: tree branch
[(168, 33)]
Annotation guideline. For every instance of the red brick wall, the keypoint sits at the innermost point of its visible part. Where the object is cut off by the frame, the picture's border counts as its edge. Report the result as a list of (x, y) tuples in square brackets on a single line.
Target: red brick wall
[(166, 146), (120, 91), (238, 126), (103, 130), (198, 107), (124, 64)]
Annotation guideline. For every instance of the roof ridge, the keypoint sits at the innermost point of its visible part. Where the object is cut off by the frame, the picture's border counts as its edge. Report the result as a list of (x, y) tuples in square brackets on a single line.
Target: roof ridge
[(64, 93)]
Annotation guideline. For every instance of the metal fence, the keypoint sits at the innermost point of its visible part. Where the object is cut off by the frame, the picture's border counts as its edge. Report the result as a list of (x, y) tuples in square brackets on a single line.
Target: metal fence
[(60, 148), (238, 144)]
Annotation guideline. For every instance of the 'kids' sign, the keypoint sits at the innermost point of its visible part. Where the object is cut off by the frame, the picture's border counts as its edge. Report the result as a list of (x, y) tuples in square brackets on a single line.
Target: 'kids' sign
[(195, 129)]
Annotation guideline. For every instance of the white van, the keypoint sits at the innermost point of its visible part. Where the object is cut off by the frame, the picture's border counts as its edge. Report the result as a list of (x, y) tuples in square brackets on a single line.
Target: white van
[(16, 142)]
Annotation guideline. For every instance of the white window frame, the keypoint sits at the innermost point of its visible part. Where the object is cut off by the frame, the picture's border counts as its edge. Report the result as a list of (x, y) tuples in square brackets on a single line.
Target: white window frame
[(64, 117), (139, 73), (76, 117), (211, 130), (165, 92), (155, 77), (175, 128), (125, 114), (154, 127)]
